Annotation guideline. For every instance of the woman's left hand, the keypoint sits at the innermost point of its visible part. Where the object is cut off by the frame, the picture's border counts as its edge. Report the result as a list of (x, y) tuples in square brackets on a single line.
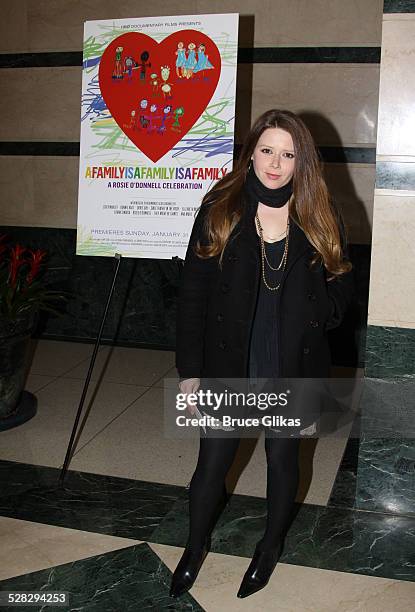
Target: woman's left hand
[(187, 386)]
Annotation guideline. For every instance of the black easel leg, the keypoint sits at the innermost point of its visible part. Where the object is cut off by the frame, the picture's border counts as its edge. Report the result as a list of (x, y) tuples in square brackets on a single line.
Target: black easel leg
[(68, 456)]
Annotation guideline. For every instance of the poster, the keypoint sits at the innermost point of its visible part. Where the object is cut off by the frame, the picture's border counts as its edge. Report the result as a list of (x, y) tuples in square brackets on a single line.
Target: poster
[(157, 129)]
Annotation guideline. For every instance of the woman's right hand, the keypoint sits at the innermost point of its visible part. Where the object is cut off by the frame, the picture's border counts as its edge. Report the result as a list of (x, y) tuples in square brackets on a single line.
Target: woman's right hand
[(190, 385)]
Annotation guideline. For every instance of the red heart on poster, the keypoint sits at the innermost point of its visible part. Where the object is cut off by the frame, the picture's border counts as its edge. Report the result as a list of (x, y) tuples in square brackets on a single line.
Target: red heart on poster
[(157, 91)]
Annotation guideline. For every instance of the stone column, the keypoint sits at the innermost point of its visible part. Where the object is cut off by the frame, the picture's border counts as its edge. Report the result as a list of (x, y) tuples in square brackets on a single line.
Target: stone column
[(386, 467)]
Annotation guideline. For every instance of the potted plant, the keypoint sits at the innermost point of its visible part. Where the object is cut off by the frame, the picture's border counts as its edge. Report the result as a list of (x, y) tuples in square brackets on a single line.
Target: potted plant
[(23, 294)]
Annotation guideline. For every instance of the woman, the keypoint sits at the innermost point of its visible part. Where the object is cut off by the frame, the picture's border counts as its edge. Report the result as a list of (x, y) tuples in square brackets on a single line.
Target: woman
[(265, 277)]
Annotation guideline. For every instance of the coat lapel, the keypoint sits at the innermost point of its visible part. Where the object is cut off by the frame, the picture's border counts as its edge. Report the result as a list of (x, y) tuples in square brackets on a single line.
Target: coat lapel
[(298, 244)]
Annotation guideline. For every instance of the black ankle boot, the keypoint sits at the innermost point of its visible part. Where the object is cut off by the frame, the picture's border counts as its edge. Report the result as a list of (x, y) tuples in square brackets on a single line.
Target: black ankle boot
[(187, 569), (260, 569)]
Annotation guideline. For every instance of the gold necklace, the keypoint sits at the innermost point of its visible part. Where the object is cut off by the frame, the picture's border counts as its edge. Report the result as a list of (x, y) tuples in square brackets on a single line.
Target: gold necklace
[(260, 230), (264, 259)]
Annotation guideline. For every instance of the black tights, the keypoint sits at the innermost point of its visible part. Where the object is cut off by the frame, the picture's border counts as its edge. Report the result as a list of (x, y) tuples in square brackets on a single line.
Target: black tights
[(207, 487)]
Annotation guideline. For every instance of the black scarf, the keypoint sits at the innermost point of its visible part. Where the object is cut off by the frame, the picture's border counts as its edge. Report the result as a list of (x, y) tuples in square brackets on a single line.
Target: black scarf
[(258, 192)]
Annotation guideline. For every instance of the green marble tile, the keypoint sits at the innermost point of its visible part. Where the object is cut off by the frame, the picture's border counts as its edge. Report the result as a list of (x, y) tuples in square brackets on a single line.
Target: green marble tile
[(390, 352), (330, 538), (386, 476), (387, 408), (335, 538), (395, 175), (385, 479), (398, 6), (343, 493), (90, 502), (351, 541), (129, 579)]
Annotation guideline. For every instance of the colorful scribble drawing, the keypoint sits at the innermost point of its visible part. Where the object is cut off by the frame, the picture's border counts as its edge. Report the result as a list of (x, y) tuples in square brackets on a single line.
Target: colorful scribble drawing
[(203, 62), (144, 65), (181, 59), (118, 72), (166, 87), (190, 60)]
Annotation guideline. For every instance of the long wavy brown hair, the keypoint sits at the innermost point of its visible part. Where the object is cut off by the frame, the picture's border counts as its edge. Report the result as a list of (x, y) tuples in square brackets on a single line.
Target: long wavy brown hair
[(310, 205)]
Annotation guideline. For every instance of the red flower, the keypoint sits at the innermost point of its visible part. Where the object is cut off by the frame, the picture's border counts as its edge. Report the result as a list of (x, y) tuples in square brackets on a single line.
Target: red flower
[(35, 264), (16, 262)]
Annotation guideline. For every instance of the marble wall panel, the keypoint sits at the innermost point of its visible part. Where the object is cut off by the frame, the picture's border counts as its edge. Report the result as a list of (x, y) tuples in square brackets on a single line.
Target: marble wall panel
[(40, 104), (42, 192), (397, 87), (39, 191), (339, 102), (42, 25), (392, 286), (14, 27), (44, 103), (298, 22), (17, 189), (351, 186)]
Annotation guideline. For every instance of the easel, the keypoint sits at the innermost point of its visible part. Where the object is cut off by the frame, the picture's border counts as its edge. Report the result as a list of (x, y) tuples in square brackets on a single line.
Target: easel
[(68, 455)]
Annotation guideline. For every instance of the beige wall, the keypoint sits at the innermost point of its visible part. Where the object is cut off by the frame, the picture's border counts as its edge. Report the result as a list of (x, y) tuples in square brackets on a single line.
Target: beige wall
[(338, 101), (392, 279), (57, 25)]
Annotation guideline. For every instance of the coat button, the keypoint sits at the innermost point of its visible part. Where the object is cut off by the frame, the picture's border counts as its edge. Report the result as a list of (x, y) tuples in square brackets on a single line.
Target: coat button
[(222, 345), (219, 317), (312, 296), (314, 323), (225, 287), (306, 350)]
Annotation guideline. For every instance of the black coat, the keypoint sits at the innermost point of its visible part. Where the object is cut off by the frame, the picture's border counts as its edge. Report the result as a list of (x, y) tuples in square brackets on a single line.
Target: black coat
[(216, 306)]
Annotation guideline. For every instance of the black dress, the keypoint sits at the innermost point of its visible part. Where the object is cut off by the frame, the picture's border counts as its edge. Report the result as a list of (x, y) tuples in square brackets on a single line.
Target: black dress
[(263, 352)]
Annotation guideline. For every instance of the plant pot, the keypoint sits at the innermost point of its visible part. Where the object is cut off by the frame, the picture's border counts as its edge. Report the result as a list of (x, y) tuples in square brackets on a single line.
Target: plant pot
[(14, 352)]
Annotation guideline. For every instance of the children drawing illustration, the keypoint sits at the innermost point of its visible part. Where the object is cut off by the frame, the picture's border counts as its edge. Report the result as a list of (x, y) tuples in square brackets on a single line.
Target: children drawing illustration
[(152, 118), (181, 59), (117, 72), (166, 86), (203, 62), (177, 113), (156, 89), (166, 115), (130, 63), (143, 118), (133, 120), (155, 84), (191, 60), (144, 65)]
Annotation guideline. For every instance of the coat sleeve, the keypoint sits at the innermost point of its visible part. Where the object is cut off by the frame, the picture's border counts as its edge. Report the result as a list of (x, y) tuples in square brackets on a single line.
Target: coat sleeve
[(342, 289), (192, 303)]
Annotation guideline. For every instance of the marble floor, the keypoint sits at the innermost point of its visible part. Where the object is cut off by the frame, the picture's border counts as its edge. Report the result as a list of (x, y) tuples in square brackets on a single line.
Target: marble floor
[(113, 532)]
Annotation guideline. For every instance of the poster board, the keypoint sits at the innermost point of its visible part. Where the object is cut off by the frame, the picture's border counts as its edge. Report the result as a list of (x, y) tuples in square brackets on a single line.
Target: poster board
[(157, 129)]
